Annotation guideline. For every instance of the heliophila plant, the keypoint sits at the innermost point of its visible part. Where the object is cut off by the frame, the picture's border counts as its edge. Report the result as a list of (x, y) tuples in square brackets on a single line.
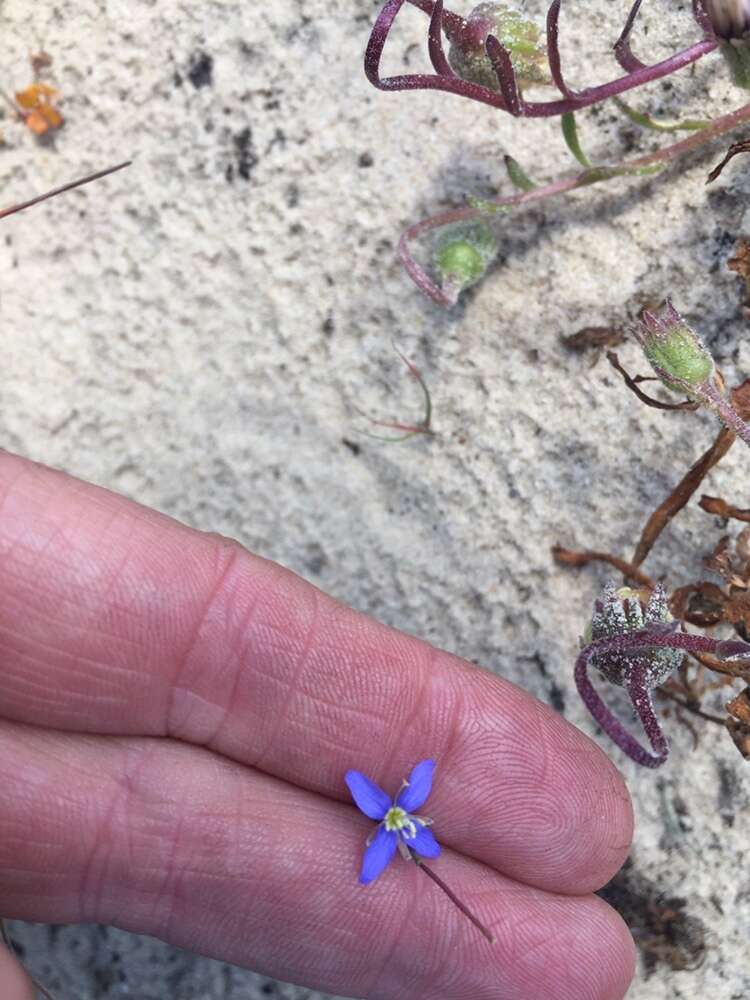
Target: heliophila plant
[(494, 56)]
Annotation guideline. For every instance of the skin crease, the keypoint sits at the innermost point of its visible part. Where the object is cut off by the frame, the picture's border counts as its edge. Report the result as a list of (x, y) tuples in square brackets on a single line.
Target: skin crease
[(176, 717)]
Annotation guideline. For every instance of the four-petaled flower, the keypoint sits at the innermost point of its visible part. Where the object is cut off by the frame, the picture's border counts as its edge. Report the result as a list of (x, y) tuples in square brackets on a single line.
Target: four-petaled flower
[(397, 826)]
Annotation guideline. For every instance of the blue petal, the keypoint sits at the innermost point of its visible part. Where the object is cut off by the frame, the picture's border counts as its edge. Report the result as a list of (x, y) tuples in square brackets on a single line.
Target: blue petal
[(371, 799), (416, 792), (424, 843), (377, 855)]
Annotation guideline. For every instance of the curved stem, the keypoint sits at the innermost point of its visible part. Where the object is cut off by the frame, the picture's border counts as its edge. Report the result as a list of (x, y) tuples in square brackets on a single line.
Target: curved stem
[(502, 64), (612, 725), (553, 49), (726, 412), (716, 128), (623, 52), (435, 42), (419, 81), (641, 698), (637, 684), (532, 109)]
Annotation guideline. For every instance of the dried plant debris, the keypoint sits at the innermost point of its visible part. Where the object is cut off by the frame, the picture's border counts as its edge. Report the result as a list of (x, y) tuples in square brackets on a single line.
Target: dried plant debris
[(406, 430), (570, 557), (594, 339), (632, 382), (715, 505), (743, 146), (740, 264), (664, 931), (681, 494), (738, 722), (702, 603)]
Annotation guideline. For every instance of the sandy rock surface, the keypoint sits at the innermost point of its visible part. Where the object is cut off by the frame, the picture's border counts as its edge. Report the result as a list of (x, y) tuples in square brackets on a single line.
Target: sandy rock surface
[(195, 332)]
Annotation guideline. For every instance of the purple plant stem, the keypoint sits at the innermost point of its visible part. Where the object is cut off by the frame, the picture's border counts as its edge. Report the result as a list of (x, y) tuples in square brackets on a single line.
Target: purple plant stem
[(637, 686), (419, 81), (718, 127), (553, 49), (502, 64), (623, 52), (454, 898), (435, 42), (724, 409), (700, 15), (639, 77), (453, 22), (615, 729), (532, 109)]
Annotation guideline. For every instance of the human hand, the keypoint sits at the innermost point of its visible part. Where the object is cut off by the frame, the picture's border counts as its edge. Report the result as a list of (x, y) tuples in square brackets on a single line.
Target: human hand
[(176, 718)]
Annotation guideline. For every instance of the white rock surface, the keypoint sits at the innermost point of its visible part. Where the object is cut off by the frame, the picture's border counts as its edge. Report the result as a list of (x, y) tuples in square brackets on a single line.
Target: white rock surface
[(196, 338)]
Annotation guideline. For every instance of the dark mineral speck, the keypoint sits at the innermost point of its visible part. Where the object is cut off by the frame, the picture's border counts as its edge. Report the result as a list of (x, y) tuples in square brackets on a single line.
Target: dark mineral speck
[(201, 70)]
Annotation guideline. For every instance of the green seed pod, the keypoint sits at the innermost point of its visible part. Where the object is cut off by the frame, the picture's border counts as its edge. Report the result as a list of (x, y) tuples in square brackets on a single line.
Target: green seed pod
[(463, 254), (675, 352), (520, 36), (619, 612)]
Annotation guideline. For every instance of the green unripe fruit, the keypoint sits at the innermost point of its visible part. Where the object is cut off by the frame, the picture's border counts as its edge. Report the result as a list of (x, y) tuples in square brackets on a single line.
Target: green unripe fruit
[(681, 356), (460, 261), (516, 33), (464, 253), (675, 351)]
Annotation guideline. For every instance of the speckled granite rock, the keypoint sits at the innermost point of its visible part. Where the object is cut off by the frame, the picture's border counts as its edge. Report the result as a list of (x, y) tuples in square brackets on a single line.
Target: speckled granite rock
[(193, 333)]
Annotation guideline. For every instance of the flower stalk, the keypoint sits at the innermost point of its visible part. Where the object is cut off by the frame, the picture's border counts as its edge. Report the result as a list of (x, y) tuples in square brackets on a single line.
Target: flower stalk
[(454, 899)]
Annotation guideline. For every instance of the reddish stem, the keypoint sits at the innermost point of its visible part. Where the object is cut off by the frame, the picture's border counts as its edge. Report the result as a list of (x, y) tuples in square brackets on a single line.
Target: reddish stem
[(637, 686), (623, 52), (718, 127), (532, 109)]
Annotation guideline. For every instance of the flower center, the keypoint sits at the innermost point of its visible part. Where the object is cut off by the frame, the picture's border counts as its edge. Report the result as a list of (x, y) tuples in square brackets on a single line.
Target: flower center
[(399, 820)]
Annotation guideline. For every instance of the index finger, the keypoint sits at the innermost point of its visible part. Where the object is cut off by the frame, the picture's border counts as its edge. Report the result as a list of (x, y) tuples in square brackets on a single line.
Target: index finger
[(116, 619)]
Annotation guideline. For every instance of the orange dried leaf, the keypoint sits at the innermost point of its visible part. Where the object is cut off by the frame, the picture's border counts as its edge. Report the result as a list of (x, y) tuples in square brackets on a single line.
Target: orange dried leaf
[(739, 707), (37, 122), (35, 96), (51, 115)]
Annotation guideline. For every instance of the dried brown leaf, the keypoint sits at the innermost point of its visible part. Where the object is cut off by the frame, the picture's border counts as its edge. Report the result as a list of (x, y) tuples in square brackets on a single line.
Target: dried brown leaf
[(719, 507), (571, 557), (681, 494), (700, 603), (743, 146), (739, 707), (741, 736)]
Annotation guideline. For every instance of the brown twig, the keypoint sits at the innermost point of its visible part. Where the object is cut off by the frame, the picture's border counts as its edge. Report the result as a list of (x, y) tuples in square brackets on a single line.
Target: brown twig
[(743, 146), (60, 190), (570, 557), (632, 384), (690, 707), (731, 668), (719, 507)]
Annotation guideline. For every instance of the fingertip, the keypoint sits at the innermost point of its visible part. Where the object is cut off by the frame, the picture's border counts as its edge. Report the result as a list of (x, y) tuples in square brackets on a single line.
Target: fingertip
[(600, 811), (617, 947)]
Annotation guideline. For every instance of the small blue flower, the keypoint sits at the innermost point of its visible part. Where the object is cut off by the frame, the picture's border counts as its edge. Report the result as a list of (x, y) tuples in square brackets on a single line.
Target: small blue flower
[(398, 826)]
